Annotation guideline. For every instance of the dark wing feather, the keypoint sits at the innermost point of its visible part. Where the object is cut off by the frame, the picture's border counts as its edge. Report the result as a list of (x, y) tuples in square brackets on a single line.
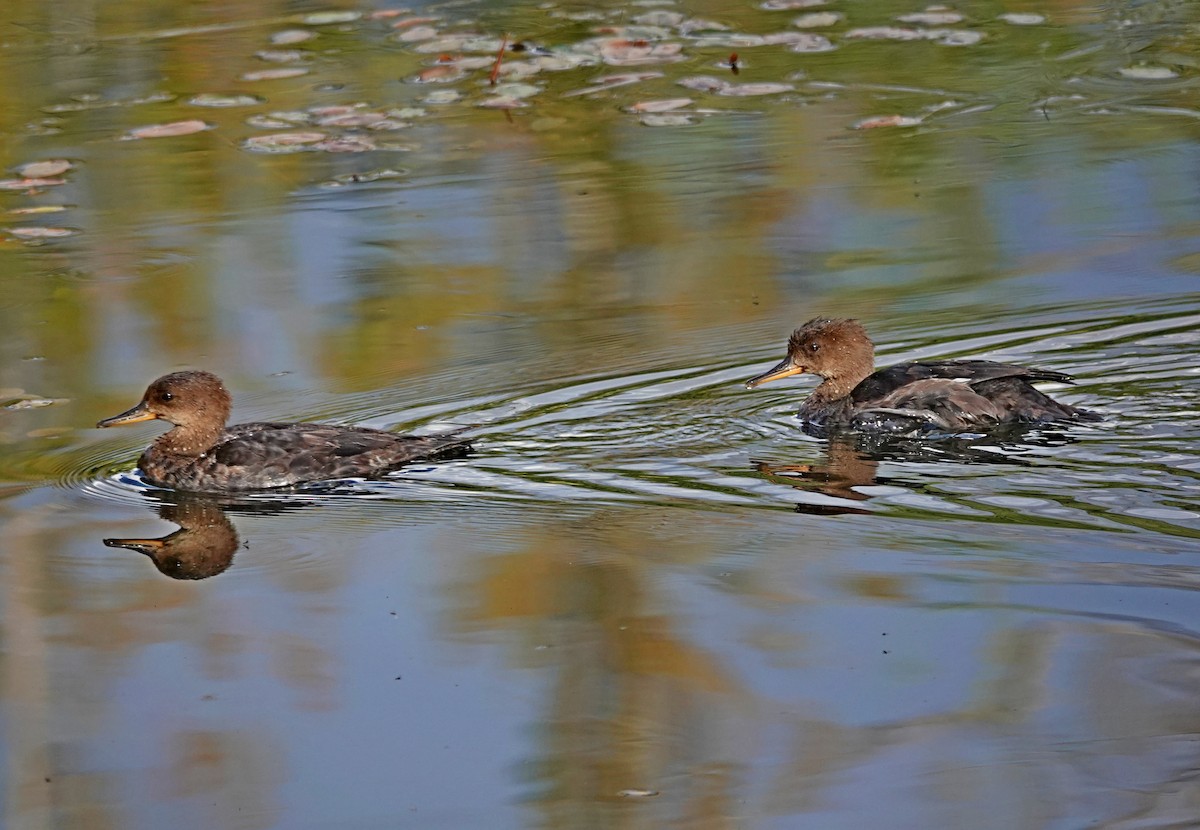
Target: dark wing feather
[(886, 381), (277, 455)]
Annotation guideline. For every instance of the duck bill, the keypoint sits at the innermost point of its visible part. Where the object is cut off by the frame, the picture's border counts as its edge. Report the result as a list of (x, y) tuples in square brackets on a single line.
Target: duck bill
[(141, 412), (785, 369), (146, 546)]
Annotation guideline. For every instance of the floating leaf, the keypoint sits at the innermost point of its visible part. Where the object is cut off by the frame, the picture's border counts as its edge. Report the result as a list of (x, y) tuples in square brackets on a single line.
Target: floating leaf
[(280, 55), (414, 21), (44, 169), (670, 119), (886, 33), (28, 184), (956, 37), (346, 144), (283, 142), (442, 73), (417, 33), (40, 209), (809, 43), (817, 20), (516, 90), (703, 83), (289, 37), (169, 130), (1023, 18), (1144, 72), (327, 18), (790, 5), (504, 102), (37, 232), (762, 88), (661, 105), (212, 99), (613, 81), (622, 52), (887, 121), (275, 74), (659, 18), (932, 17)]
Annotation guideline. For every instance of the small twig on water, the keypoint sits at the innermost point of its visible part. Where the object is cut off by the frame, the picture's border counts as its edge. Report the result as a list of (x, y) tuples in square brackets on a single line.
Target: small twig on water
[(499, 59)]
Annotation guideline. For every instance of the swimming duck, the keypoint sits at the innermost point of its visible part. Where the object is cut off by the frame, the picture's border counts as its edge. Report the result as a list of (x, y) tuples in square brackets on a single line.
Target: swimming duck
[(202, 454), (910, 398)]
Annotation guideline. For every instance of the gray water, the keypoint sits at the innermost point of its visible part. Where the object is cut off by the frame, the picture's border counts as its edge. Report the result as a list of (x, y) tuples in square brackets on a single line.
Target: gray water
[(647, 598)]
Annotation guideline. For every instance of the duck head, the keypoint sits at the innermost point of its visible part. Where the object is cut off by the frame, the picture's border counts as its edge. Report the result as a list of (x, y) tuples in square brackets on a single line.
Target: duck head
[(196, 402), (838, 350)]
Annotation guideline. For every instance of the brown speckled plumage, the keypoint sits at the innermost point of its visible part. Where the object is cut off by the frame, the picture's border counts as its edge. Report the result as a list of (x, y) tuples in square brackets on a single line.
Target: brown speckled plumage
[(202, 454), (938, 396)]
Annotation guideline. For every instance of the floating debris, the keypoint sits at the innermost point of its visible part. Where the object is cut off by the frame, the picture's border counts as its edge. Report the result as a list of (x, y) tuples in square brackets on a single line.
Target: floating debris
[(502, 102), (328, 18), (280, 55), (670, 119), (283, 142), (933, 16), (887, 121), (38, 232), (275, 74), (612, 81), (818, 20), (661, 105), (417, 33), (621, 52), (808, 43), (637, 793), (1023, 18), (212, 99), (442, 97), (169, 130), (288, 37), (44, 169), (790, 5), (29, 184), (39, 210), (17, 399), (707, 83), (1146, 72)]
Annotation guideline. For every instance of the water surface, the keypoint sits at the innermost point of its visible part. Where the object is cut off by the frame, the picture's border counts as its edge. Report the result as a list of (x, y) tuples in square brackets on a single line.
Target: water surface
[(647, 599)]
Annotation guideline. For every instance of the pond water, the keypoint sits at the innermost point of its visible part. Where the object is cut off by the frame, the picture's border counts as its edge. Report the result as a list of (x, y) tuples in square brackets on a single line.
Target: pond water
[(647, 598)]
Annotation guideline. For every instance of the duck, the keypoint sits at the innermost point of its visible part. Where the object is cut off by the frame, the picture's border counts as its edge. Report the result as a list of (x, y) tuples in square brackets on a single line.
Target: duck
[(202, 454), (203, 546), (918, 398)]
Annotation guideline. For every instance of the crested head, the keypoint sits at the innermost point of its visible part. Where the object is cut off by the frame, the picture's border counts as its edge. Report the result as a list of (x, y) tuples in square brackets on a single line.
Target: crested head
[(838, 350), (832, 348)]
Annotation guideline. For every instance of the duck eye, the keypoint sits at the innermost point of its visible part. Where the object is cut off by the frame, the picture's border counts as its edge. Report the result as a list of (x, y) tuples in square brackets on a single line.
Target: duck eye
[(166, 396), (815, 347)]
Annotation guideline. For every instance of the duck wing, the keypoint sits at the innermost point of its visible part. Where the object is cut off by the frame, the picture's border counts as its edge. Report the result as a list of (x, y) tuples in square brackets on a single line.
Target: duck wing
[(264, 454), (879, 385), (929, 404)]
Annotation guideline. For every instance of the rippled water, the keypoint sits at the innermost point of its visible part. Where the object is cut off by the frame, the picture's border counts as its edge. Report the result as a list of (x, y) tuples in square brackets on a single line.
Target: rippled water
[(646, 598)]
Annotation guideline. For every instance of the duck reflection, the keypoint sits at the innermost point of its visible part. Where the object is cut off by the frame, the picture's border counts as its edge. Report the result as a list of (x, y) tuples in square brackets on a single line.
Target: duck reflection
[(851, 461), (203, 546)]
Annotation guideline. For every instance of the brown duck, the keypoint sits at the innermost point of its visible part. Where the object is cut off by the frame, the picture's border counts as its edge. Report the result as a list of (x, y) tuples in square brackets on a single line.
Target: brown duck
[(202, 454), (910, 398)]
